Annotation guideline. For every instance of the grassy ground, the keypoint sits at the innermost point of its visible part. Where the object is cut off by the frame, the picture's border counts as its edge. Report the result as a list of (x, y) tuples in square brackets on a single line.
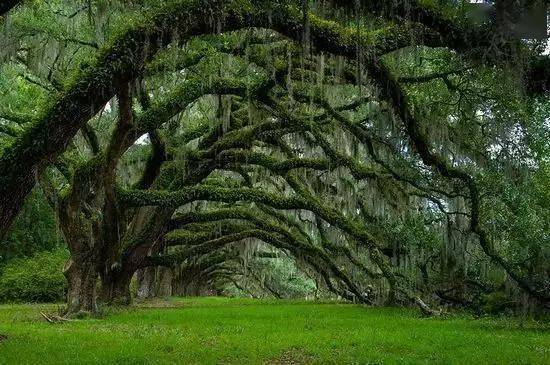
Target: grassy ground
[(241, 331)]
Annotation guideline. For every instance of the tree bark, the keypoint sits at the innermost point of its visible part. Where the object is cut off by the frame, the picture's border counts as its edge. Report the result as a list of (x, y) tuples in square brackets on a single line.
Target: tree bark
[(165, 282), (82, 281), (115, 287), (146, 283), (187, 285)]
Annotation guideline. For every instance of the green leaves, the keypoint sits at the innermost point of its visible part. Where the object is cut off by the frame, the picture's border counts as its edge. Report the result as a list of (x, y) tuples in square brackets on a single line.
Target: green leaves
[(36, 279)]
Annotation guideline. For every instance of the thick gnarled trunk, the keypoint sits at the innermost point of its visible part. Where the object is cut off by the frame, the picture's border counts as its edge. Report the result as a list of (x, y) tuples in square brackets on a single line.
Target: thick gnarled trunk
[(82, 281)]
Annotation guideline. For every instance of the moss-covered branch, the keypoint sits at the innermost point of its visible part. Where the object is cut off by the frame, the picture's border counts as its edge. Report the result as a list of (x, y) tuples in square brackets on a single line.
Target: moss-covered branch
[(42, 143), (117, 64), (268, 232)]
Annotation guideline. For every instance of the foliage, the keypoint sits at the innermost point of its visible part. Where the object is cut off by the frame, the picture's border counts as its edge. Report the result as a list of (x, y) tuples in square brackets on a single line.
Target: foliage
[(270, 277), (35, 279), (34, 230), (393, 150)]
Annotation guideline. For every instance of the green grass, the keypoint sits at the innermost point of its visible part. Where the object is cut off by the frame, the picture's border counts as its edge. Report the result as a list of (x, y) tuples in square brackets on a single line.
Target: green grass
[(242, 331)]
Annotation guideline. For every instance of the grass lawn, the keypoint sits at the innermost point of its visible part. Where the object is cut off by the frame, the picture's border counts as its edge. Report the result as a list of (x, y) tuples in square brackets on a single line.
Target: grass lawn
[(243, 331)]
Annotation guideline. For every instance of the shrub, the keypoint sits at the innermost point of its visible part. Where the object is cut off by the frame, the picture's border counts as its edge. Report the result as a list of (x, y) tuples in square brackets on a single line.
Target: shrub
[(36, 279)]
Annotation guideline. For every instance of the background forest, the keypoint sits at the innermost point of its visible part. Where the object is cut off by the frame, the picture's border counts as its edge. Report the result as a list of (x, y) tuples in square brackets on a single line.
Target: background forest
[(386, 153)]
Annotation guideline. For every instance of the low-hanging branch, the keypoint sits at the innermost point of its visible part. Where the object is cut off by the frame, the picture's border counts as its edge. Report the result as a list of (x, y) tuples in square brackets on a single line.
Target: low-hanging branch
[(287, 241), (270, 145)]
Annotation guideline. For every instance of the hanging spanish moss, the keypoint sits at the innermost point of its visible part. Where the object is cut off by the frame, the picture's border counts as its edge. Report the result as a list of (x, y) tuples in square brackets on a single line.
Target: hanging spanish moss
[(382, 154)]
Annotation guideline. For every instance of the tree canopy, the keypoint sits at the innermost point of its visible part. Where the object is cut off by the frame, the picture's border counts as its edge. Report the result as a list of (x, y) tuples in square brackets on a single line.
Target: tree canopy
[(390, 151)]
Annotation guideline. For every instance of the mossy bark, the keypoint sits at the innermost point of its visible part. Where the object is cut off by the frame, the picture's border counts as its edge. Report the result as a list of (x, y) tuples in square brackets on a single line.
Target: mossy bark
[(115, 288), (82, 281), (146, 279)]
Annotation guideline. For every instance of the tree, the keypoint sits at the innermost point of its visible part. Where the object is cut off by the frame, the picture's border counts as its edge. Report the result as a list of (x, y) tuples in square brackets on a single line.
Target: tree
[(364, 151)]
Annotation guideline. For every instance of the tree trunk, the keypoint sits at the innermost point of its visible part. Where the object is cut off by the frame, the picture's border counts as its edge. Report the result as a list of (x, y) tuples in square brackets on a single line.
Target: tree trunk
[(115, 287), (165, 282), (146, 282), (81, 294), (180, 286)]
